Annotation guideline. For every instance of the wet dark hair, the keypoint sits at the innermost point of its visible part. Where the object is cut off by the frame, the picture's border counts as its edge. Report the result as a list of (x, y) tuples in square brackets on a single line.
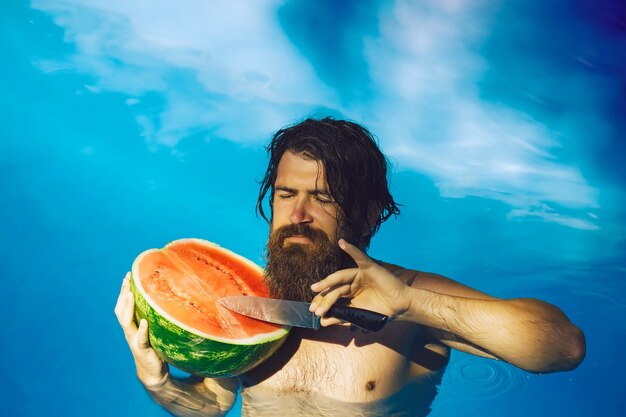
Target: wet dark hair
[(355, 168)]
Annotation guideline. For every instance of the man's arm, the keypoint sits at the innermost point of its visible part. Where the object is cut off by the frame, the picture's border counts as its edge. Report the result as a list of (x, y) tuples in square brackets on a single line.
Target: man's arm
[(189, 397), (530, 334), (194, 396)]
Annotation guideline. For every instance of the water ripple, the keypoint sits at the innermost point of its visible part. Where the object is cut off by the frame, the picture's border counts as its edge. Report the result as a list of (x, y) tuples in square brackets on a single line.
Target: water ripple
[(488, 379)]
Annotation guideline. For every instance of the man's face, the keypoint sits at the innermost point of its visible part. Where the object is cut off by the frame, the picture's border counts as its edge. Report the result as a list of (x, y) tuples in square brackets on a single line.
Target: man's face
[(301, 196), (302, 248)]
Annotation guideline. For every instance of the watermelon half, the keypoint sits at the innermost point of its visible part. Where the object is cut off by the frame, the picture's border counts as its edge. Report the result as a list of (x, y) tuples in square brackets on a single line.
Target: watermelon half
[(175, 290)]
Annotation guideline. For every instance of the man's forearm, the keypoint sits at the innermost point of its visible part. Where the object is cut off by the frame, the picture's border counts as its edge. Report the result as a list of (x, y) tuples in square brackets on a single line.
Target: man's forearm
[(190, 397), (528, 333)]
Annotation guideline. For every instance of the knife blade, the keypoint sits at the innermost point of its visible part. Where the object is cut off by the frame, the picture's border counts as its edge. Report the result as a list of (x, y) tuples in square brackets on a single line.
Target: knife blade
[(296, 313)]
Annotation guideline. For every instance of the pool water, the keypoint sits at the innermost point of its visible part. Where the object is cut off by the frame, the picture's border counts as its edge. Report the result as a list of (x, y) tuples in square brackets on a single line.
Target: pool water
[(95, 168)]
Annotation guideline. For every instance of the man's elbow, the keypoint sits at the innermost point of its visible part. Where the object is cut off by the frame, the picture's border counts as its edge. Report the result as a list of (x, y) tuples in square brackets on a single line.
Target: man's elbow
[(576, 350), (573, 349)]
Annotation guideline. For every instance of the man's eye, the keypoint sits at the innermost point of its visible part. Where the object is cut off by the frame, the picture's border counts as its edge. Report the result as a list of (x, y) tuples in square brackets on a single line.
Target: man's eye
[(325, 201), (285, 196)]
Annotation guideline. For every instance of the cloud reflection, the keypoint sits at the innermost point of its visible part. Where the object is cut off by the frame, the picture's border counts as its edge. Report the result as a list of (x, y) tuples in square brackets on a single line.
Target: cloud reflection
[(230, 71)]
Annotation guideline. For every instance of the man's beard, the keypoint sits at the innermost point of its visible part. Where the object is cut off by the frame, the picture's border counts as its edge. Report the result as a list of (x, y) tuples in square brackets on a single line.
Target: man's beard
[(290, 270)]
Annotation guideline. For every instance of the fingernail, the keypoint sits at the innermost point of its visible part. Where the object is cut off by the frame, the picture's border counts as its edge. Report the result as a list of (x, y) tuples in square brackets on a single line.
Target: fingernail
[(318, 311), (312, 307), (314, 286)]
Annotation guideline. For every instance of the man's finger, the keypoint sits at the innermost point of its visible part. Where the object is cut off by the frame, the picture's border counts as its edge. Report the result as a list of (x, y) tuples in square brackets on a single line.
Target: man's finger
[(142, 335), (128, 310), (315, 302), (127, 322), (126, 282), (355, 253), (329, 321), (125, 307), (323, 304), (343, 276), (121, 299)]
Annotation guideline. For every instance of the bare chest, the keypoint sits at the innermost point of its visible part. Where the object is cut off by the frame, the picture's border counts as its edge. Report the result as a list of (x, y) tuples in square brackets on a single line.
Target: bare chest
[(340, 363)]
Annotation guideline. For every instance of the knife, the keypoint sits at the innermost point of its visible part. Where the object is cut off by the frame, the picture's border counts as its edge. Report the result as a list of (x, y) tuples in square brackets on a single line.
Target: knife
[(296, 313)]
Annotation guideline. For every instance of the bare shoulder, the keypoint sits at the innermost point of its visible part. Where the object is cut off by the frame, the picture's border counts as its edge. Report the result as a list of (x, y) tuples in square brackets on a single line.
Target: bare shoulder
[(434, 282)]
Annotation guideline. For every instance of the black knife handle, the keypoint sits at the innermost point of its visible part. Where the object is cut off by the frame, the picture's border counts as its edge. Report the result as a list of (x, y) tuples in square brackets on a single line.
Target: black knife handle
[(361, 318)]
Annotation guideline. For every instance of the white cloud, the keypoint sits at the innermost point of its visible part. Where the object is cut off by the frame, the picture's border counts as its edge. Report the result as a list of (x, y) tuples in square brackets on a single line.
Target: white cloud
[(433, 120), (211, 61), (548, 215), (228, 70)]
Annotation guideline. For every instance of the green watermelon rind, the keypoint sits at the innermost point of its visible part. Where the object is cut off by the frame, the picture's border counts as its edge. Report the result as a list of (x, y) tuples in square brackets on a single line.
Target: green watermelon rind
[(193, 351)]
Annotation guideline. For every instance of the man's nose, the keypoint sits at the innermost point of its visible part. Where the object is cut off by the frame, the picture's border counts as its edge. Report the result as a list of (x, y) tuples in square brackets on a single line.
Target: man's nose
[(301, 213)]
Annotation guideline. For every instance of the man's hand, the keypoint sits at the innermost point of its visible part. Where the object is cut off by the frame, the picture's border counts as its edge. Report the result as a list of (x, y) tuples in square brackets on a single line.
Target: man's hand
[(369, 286), (151, 370)]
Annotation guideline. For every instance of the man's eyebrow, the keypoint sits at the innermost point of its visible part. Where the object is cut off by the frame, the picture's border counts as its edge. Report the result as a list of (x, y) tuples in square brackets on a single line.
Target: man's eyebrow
[(323, 193), (286, 189), (315, 192)]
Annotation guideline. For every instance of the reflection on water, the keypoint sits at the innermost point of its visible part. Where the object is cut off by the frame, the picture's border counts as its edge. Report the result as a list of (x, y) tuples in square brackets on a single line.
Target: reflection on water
[(414, 400), (491, 380)]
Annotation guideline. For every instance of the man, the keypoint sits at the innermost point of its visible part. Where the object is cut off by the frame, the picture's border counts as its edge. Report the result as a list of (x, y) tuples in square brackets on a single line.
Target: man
[(328, 192)]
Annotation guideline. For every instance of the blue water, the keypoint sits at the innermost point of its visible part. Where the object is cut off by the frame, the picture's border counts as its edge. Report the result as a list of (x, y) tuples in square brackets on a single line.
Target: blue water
[(119, 135)]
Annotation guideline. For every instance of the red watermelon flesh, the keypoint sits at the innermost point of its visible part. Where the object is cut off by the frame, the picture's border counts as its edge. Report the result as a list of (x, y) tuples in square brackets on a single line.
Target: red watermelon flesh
[(176, 289)]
